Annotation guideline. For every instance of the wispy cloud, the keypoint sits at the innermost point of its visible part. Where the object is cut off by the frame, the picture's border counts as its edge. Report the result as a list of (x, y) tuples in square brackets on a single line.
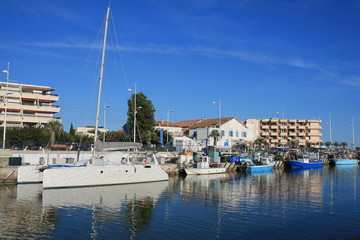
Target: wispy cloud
[(351, 81), (244, 55), (328, 73), (44, 7)]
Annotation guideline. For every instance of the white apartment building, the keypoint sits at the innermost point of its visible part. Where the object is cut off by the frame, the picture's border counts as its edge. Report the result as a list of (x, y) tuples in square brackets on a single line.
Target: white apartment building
[(27, 105)]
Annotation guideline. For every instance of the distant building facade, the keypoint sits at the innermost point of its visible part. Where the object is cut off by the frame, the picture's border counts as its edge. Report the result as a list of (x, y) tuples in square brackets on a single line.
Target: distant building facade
[(169, 127), (232, 131), (280, 132), (27, 105), (89, 131)]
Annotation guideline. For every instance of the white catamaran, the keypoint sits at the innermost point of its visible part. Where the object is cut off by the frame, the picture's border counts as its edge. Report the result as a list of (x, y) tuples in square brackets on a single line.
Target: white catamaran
[(99, 171)]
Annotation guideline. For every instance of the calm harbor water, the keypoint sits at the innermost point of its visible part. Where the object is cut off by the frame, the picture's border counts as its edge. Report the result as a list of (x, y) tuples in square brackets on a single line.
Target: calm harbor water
[(321, 203)]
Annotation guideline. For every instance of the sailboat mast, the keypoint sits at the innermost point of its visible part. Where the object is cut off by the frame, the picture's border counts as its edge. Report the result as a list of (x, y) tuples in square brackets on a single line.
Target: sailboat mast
[(101, 76)]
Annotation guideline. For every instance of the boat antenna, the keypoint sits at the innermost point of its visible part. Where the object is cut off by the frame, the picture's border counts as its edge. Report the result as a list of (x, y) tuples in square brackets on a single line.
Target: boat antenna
[(101, 79)]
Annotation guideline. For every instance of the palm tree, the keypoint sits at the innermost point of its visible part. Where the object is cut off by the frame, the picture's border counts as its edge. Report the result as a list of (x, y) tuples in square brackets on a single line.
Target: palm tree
[(215, 134), (259, 142), (344, 144), (148, 136), (294, 143), (336, 144), (328, 144), (55, 127)]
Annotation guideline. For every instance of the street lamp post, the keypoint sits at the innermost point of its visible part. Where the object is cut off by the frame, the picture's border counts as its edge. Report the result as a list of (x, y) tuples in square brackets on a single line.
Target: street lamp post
[(330, 133), (353, 134), (135, 110), (105, 107), (5, 103), (219, 105), (168, 119)]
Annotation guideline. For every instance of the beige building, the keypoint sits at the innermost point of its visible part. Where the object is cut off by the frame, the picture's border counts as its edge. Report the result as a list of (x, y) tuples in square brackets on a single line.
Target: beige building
[(279, 132), (27, 105), (89, 131)]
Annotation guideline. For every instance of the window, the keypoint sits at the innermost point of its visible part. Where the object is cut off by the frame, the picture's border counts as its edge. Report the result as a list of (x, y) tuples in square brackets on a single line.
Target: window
[(230, 133), (244, 134), (237, 134), (222, 133)]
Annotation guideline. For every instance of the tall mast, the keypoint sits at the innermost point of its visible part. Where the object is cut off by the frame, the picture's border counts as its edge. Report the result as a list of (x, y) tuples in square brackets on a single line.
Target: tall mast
[(101, 77)]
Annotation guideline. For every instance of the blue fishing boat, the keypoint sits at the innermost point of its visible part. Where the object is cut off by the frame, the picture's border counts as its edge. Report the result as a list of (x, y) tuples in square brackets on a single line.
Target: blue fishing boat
[(344, 161), (304, 161), (262, 164), (258, 168)]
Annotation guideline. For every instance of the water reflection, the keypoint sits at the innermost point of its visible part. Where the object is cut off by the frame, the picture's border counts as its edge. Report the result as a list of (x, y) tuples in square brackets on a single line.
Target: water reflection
[(280, 205), (130, 207), (21, 213), (248, 190), (29, 212)]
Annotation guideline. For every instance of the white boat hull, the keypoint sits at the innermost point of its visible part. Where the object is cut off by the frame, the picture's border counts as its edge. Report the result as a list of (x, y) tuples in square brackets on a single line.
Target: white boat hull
[(64, 177), (202, 171), (30, 174)]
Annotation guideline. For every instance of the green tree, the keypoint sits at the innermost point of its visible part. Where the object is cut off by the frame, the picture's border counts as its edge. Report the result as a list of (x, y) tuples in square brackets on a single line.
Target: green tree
[(117, 137), (145, 120), (336, 144), (294, 143), (344, 144), (260, 142), (149, 136), (215, 134), (328, 144), (72, 130), (55, 128)]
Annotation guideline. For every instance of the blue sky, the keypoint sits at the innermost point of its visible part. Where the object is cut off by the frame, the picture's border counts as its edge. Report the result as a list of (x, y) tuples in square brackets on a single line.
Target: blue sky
[(299, 57)]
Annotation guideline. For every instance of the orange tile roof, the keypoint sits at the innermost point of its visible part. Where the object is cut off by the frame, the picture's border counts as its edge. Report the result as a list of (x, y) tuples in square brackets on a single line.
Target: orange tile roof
[(165, 124), (211, 122), (187, 123)]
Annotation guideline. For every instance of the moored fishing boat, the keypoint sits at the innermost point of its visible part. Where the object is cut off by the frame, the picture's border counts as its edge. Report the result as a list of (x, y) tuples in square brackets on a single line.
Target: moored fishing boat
[(304, 161), (203, 167), (257, 168), (344, 161), (261, 164)]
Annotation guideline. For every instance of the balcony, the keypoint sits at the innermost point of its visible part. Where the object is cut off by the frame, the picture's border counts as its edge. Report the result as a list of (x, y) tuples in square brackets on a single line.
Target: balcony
[(28, 95), (314, 121), (315, 127), (28, 118), (317, 134), (31, 108)]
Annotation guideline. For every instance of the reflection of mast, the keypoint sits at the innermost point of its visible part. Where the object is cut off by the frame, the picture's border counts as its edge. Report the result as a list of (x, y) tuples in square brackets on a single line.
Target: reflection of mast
[(139, 214), (220, 214), (94, 233)]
